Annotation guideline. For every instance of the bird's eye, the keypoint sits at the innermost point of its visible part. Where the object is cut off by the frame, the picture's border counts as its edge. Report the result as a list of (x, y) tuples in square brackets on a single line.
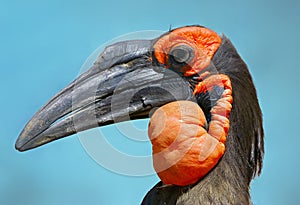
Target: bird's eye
[(182, 54)]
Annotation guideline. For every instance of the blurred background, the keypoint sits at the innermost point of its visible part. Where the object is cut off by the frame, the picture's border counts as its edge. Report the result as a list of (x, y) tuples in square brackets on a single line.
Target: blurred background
[(43, 45)]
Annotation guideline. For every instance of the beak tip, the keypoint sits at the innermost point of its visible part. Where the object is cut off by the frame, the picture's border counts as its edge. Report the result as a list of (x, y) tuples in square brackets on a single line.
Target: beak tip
[(19, 145), (25, 142), (22, 144)]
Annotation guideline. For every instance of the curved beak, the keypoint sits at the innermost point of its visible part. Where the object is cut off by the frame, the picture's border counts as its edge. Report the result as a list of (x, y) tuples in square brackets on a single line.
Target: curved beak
[(123, 84)]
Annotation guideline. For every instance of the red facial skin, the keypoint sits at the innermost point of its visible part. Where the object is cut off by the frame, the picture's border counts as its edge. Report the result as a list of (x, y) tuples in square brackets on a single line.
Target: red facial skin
[(185, 147)]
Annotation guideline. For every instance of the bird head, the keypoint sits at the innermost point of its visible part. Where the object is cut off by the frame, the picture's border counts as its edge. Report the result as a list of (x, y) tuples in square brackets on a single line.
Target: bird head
[(132, 78)]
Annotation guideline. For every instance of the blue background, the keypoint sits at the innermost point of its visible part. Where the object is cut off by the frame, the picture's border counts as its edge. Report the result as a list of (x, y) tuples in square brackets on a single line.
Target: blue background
[(44, 43)]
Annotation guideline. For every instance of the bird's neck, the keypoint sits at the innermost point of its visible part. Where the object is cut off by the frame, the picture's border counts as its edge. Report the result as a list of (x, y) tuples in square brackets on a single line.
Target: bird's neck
[(227, 183)]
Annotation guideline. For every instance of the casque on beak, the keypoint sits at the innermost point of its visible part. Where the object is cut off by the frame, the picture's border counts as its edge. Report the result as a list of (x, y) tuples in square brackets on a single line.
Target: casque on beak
[(123, 84)]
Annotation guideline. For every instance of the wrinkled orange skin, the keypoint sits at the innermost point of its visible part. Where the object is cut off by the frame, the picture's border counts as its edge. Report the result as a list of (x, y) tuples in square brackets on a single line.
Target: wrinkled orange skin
[(183, 151), (184, 147), (219, 125)]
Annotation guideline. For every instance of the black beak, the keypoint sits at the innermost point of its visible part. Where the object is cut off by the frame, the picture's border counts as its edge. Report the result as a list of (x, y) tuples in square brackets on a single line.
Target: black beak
[(123, 84)]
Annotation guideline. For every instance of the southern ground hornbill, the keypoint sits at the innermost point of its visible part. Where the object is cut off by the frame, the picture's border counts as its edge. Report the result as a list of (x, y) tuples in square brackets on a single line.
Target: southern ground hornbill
[(206, 123)]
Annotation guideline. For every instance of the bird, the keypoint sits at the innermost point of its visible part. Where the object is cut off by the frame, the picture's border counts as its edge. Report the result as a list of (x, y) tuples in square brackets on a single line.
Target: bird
[(205, 126)]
